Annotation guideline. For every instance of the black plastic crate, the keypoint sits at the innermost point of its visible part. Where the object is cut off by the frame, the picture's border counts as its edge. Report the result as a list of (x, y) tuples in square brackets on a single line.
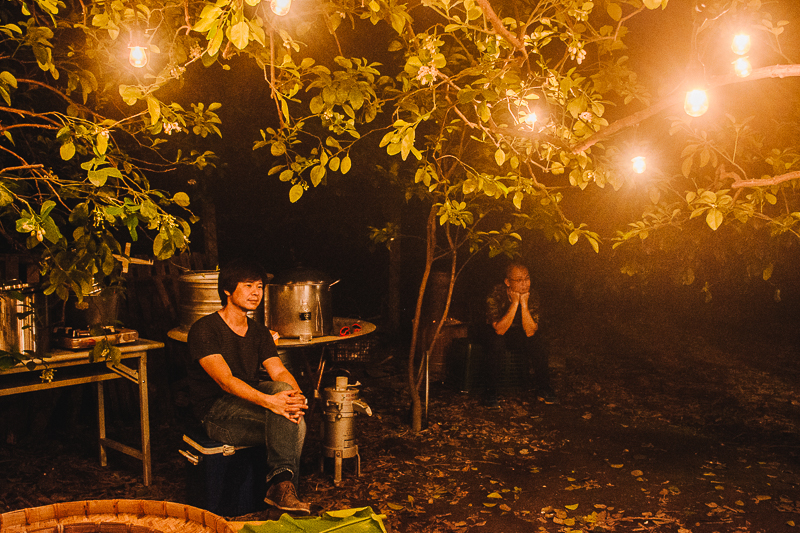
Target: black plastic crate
[(355, 350)]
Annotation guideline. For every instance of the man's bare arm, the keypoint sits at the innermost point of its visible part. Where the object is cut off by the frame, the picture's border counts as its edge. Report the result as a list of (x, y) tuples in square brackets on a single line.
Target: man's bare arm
[(284, 403), (502, 325)]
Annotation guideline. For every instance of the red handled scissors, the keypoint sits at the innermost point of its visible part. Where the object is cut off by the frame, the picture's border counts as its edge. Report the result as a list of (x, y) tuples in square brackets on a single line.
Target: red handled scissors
[(350, 330)]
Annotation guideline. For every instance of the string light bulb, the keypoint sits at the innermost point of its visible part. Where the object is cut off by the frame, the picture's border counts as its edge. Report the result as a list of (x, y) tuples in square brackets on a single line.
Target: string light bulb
[(742, 67), (138, 56), (639, 164), (696, 103), (740, 44), (280, 7), (530, 119)]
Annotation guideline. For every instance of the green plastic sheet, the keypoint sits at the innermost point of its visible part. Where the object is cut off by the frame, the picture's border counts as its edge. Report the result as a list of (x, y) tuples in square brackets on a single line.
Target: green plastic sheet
[(356, 520)]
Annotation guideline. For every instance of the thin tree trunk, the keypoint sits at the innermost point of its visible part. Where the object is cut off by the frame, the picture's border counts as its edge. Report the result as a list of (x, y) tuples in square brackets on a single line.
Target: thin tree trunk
[(413, 391)]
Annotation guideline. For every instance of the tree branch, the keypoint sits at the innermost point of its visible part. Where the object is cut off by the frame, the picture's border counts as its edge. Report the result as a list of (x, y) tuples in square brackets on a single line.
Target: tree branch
[(21, 167), (775, 71), (774, 180), (59, 93), (497, 24)]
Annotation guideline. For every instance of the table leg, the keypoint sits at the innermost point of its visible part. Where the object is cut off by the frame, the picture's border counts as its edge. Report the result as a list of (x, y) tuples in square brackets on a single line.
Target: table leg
[(144, 414), (101, 422)]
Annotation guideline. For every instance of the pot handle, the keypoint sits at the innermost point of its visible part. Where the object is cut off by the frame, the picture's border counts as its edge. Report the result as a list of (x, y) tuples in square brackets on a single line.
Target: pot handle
[(334, 283)]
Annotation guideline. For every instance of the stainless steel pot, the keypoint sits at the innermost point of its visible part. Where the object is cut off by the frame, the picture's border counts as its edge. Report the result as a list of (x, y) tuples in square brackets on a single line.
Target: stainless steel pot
[(19, 328), (298, 303)]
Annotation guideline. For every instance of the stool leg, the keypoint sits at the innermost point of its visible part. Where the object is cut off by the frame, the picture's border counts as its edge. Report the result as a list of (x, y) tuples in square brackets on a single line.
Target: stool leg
[(101, 423)]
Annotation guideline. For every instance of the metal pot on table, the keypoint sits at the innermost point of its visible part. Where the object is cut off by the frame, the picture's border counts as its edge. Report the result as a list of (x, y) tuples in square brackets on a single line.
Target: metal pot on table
[(298, 304), (20, 305)]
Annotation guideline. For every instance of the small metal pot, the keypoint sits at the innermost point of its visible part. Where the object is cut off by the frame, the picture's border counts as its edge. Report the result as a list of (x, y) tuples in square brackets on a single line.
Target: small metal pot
[(19, 308), (298, 303)]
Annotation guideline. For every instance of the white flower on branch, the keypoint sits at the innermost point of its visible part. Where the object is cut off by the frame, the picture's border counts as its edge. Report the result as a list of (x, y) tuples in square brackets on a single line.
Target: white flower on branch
[(169, 127), (427, 75)]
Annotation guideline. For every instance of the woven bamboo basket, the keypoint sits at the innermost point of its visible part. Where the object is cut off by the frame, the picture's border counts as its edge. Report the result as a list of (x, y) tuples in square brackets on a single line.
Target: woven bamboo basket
[(113, 516)]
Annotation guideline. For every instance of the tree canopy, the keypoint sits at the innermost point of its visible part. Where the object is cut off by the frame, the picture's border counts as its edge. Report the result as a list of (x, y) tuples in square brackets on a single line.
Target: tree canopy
[(503, 117), (494, 111)]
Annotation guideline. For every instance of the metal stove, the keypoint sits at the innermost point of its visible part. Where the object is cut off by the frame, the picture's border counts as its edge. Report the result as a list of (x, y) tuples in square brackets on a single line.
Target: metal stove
[(339, 442)]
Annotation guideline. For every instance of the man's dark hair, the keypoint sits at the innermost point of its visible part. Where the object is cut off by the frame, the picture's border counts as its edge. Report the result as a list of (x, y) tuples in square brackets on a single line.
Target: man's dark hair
[(235, 272), (515, 264)]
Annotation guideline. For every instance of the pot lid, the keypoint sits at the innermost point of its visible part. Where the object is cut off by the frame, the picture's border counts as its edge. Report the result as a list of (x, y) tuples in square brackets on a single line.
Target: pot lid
[(301, 276)]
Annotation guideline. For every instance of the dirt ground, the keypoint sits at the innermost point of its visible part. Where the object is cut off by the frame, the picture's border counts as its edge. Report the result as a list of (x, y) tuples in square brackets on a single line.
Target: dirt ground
[(665, 424)]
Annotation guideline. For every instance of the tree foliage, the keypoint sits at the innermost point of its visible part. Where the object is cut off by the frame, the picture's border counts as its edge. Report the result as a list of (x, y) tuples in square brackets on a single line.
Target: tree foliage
[(495, 113)]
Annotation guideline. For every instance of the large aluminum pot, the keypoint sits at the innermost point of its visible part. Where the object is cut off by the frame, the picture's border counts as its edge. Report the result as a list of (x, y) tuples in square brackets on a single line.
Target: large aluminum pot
[(199, 296), (19, 328), (298, 302)]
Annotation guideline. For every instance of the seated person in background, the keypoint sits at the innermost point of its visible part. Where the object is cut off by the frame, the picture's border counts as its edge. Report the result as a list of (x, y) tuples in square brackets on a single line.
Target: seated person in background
[(512, 314), (227, 349)]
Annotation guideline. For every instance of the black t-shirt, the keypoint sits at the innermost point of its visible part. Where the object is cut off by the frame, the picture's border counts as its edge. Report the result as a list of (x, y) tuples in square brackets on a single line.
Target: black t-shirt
[(244, 355)]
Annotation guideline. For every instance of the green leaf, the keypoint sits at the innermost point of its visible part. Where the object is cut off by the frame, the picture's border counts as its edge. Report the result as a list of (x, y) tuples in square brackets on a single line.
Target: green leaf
[(317, 173), (5, 196), (277, 149), (344, 168), (295, 192), (8, 78), (240, 35), (317, 105), (614, 11), (101, 142), (154, 108), (518, 200), (181, 198), (213, 46), (67, 151), (98, 177), (714, 218), (573, 237), (333, 163), (686, 167), (130, 94), (500, 157)]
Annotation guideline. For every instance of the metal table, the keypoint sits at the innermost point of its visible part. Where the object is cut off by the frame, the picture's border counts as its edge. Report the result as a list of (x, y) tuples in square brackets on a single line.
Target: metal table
[(73, 368)]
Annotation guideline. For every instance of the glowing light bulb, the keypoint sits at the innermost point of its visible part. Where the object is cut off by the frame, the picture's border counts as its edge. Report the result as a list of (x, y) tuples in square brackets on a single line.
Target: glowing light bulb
[(138, 56), (742, 67), (696, 103), (280, 7), (740, 44), (529, 119), (639, 164)]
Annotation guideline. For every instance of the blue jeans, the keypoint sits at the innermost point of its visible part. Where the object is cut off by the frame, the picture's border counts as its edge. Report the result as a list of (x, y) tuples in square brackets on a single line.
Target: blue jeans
[(237, 422)]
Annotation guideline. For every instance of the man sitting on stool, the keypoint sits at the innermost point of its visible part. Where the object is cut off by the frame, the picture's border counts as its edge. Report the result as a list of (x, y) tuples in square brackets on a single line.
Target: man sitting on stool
[(512, 312), (227, 349)]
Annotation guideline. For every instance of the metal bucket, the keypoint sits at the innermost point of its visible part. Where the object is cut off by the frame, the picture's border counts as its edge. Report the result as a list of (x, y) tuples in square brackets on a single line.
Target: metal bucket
[(19, 328), (198, 295)]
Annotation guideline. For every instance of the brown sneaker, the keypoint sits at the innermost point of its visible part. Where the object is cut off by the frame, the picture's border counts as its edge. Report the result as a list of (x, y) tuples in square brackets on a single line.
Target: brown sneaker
[(284, 496)]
